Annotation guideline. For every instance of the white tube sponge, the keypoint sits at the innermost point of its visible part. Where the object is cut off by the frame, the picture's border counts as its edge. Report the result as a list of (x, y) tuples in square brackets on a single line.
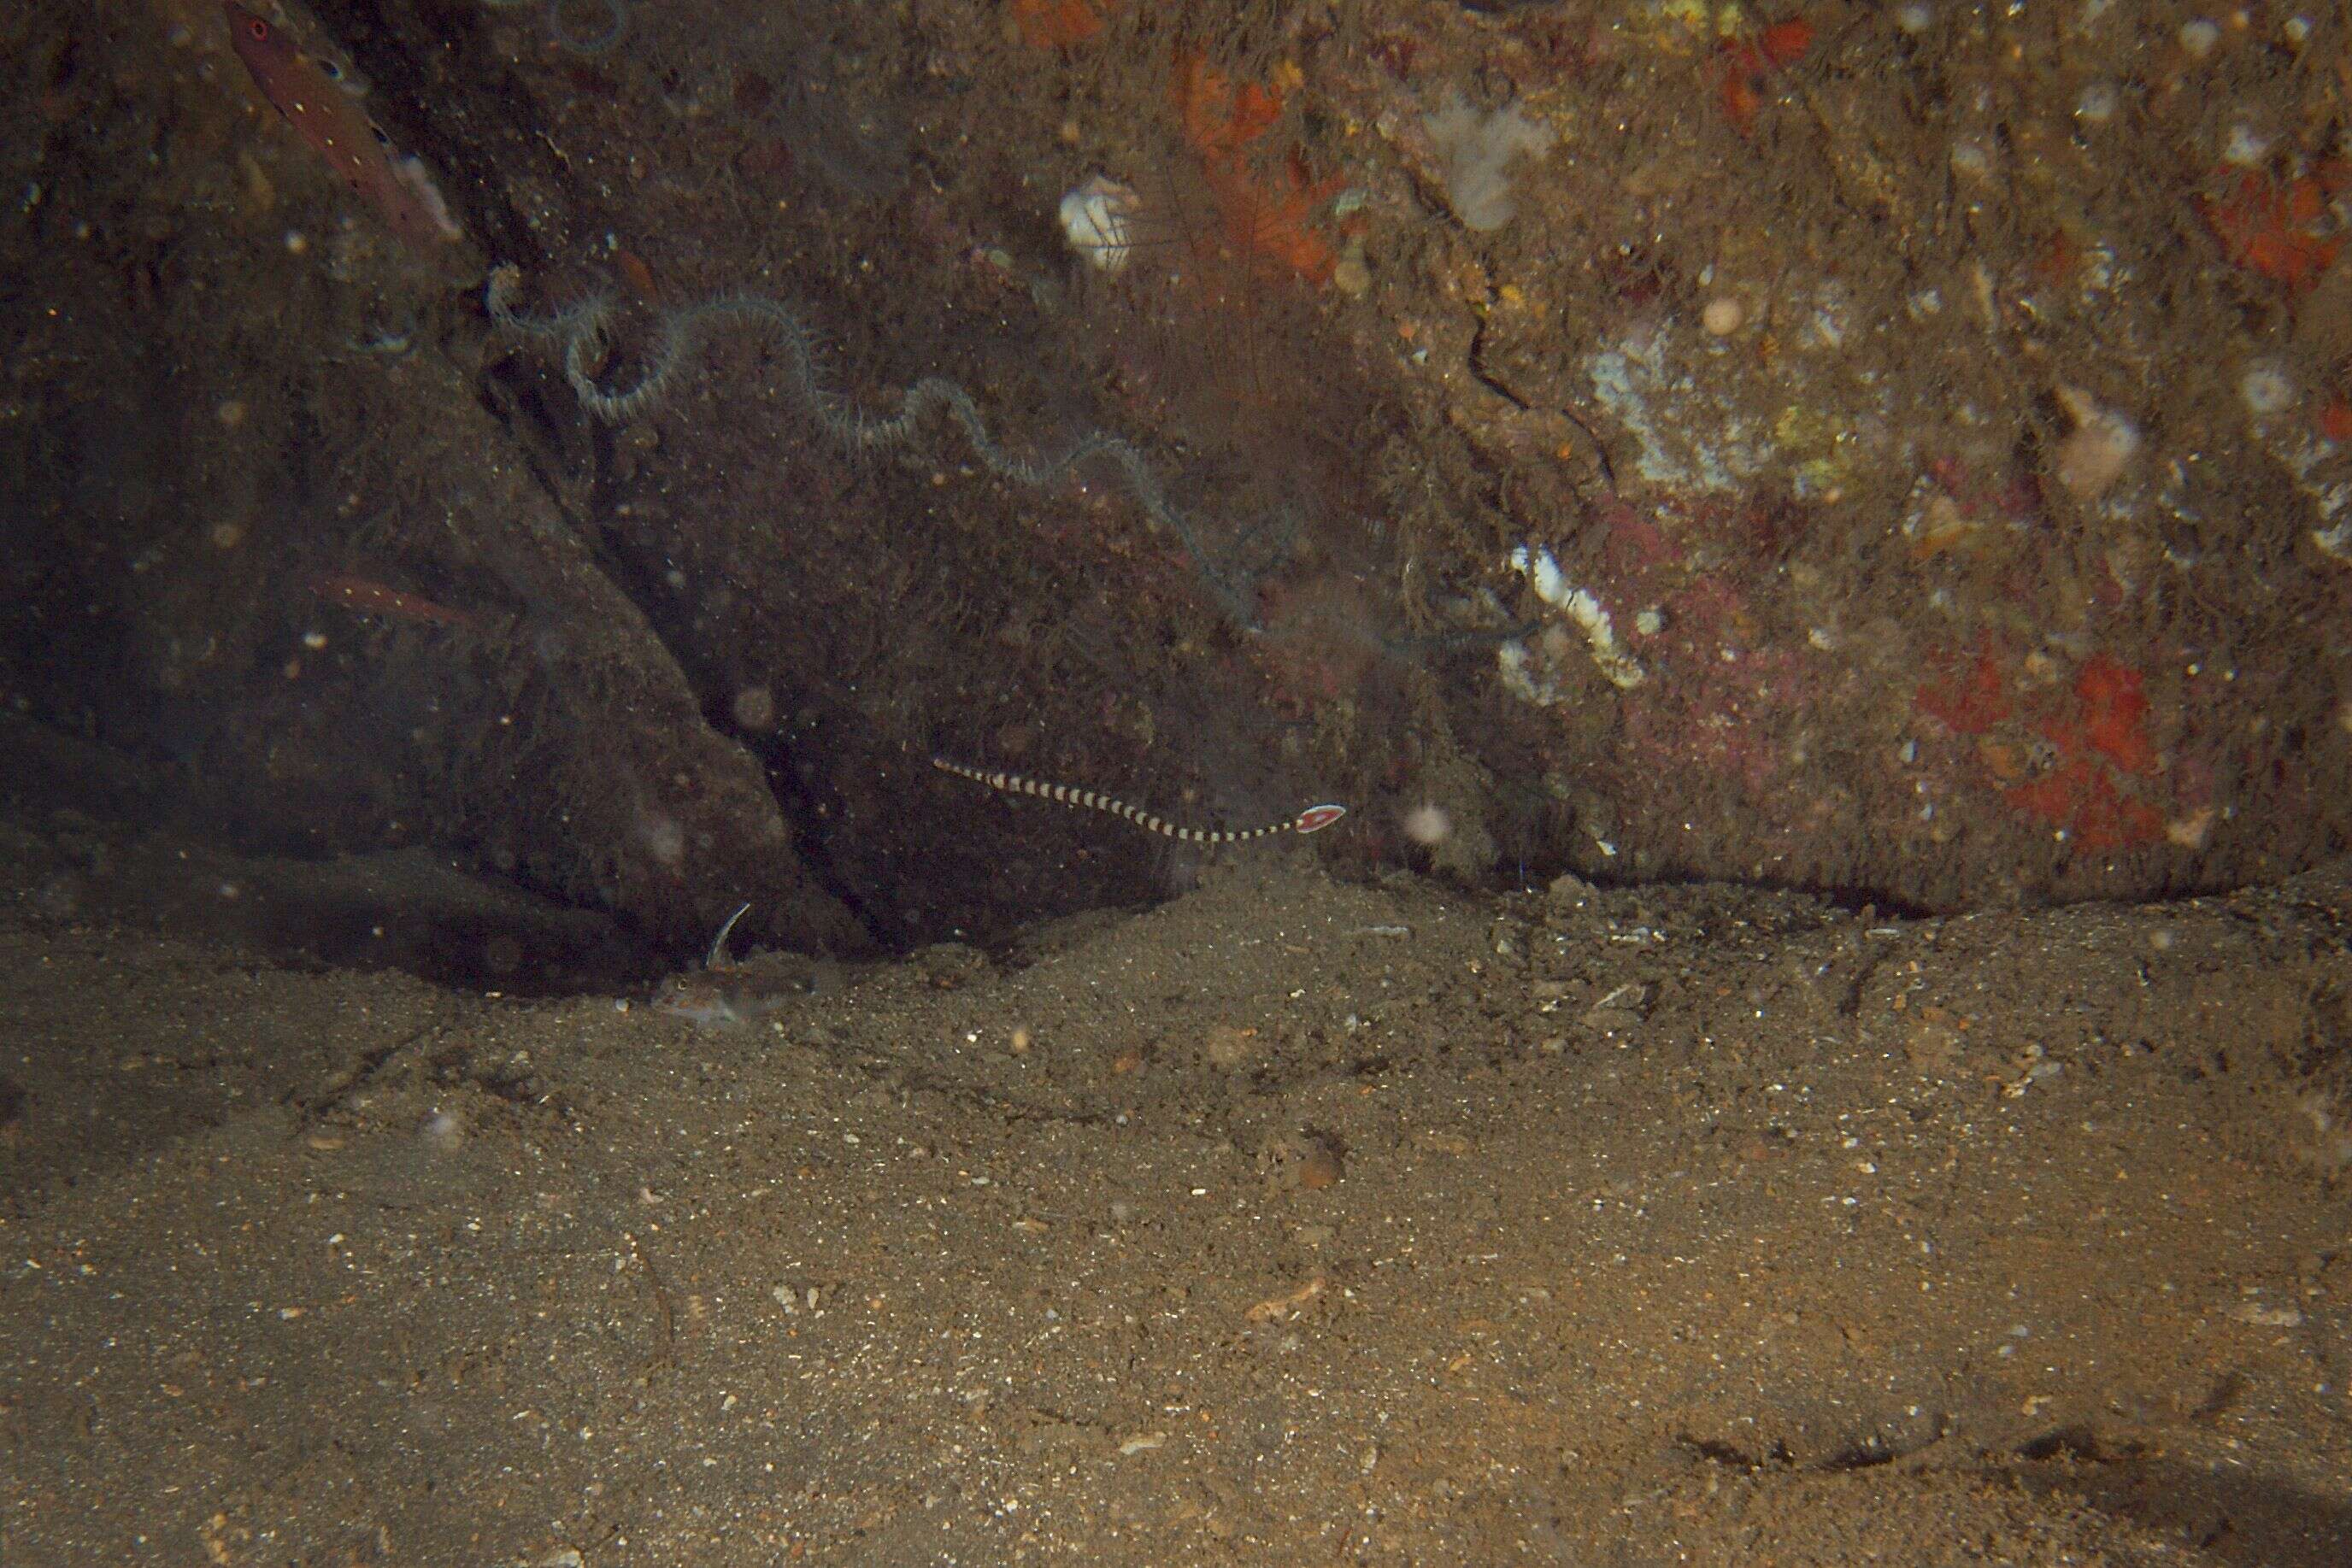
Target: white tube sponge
[(1584, 608)]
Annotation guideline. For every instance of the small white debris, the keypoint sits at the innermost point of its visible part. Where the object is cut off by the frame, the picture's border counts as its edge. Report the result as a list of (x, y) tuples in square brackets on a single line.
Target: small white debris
[(2266, 388), (2191, 832), (2246, 148), (2264, 1317), (2093, 454), (1141, 1443), (1518, 668)]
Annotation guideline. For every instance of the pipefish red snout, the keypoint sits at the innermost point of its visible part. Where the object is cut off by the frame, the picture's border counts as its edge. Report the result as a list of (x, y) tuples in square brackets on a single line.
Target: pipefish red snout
[(1314, 819)]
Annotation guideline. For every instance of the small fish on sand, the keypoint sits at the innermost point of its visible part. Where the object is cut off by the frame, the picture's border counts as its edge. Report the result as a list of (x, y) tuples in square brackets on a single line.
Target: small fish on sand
[(724, 992)]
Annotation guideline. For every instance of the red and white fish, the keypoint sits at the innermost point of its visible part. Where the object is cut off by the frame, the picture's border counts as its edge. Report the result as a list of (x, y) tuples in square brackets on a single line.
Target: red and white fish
[(366, 596), (307, 93)]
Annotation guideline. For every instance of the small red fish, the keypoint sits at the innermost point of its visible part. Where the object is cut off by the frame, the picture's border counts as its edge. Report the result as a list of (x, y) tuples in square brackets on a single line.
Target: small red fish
[(369, 596), (332, 122)]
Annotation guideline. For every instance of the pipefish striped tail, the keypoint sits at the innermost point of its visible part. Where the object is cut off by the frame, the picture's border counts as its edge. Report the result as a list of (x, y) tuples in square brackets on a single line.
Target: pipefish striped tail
[(1312, 819), (584, 332)]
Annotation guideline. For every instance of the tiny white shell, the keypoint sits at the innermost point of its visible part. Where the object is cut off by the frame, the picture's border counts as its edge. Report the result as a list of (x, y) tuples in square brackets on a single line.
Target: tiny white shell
[(1098, 218)]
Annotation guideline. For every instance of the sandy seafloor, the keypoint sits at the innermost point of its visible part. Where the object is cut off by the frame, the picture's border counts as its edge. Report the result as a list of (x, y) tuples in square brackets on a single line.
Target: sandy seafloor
[(1291, 1221)]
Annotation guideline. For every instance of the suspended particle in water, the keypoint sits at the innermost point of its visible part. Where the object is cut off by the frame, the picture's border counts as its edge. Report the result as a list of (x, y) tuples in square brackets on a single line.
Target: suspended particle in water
[(755, 708), (663, 837), (1428, 824)]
